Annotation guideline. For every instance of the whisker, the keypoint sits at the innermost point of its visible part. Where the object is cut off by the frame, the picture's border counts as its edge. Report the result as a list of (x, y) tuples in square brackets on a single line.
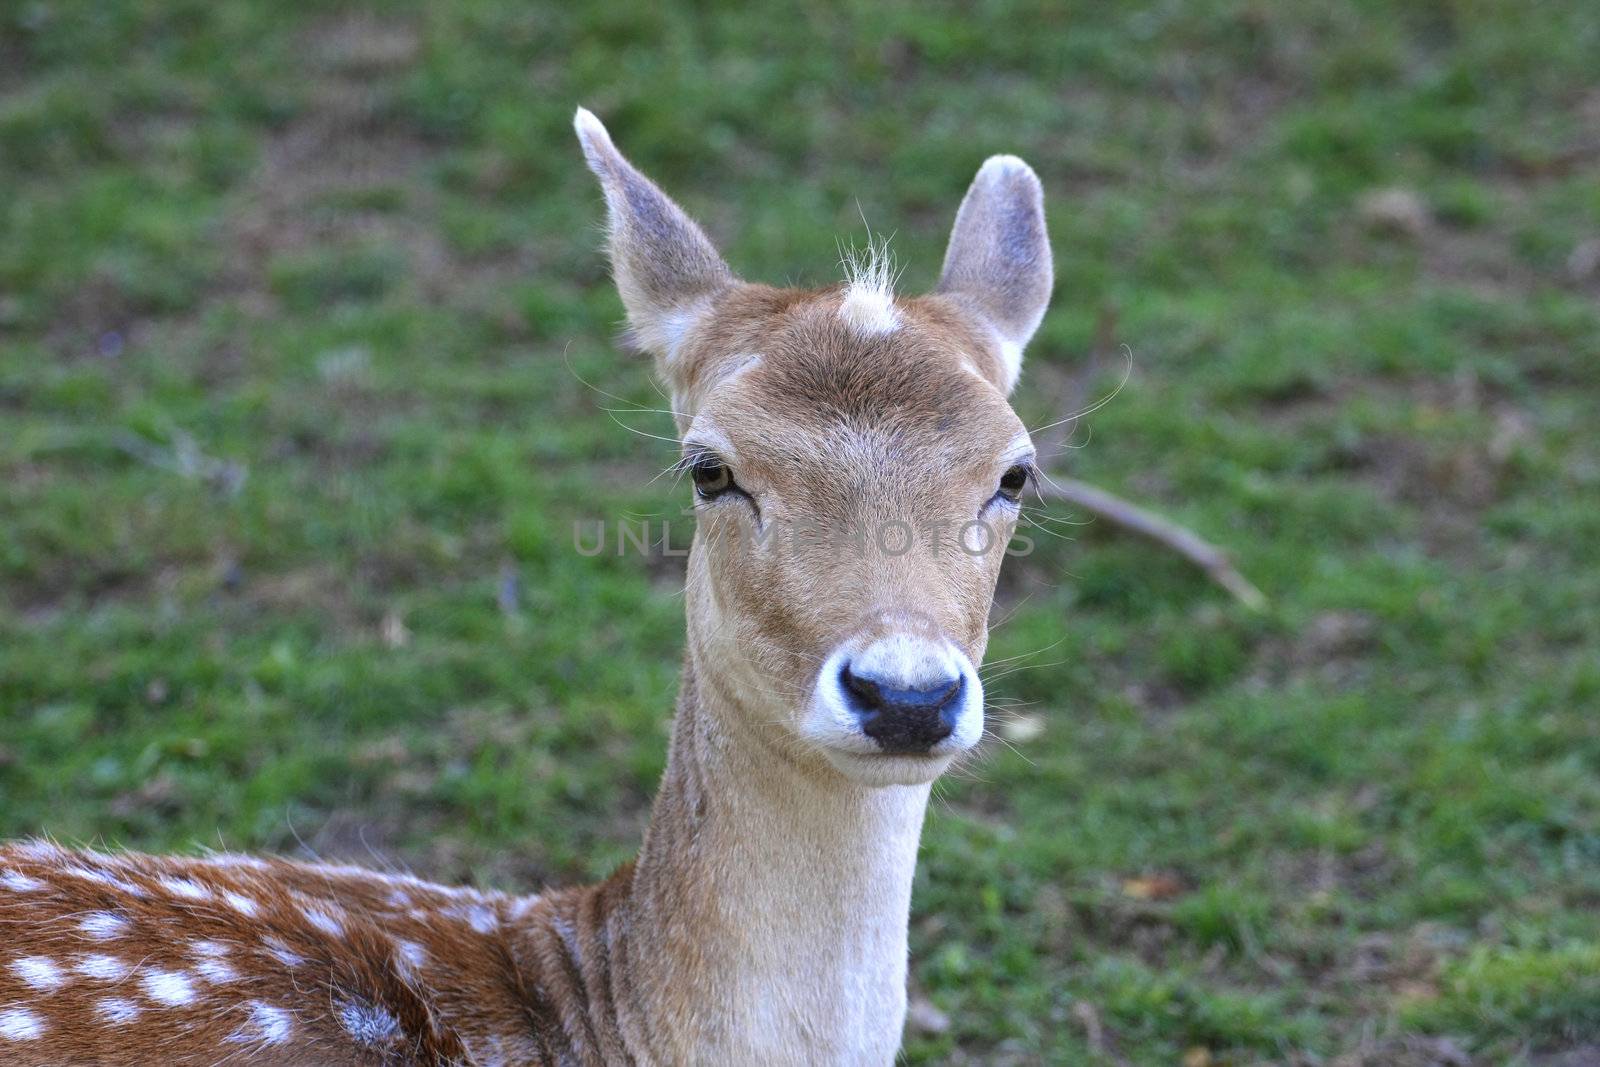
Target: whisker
[(1127, 373), (612, 415), (566, 359), (1022, 655)]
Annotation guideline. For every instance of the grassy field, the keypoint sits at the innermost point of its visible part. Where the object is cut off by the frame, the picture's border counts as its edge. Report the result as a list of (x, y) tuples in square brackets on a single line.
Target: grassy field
[(307, 367)]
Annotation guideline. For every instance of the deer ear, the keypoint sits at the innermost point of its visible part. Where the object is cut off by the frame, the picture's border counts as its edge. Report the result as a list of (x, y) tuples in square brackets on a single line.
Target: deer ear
[(666, 270), (998, 264)]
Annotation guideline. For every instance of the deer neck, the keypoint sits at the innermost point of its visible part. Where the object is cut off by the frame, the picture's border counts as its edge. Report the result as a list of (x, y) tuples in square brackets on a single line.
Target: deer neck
[(770, 901)]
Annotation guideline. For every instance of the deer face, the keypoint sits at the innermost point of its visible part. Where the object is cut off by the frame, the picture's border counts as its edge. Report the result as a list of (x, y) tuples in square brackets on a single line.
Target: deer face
[(856, 467)]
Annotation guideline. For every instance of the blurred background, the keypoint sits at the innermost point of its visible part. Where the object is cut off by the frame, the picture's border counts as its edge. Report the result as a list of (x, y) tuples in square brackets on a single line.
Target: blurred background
[(308, 366)]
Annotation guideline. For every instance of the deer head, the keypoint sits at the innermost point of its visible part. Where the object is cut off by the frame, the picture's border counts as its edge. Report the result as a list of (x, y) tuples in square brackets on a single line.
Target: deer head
[(857, 469)]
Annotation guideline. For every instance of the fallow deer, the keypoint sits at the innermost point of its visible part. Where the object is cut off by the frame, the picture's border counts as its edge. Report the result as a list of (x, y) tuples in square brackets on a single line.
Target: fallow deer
[(825, 686)]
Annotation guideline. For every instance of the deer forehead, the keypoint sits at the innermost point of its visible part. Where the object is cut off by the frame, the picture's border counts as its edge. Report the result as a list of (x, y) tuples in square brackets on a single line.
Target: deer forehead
[(819, 333), (803, 389)]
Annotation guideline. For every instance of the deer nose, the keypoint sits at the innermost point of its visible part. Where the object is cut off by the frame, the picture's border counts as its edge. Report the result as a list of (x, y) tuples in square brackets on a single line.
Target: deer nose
[(899, 719)]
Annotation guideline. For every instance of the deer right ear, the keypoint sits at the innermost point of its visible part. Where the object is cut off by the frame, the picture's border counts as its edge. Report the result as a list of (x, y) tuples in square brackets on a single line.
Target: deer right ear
[(998, 264), (665, 269)]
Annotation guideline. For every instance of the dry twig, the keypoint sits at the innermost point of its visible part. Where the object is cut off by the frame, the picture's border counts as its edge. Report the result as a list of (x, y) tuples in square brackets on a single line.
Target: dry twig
[(1208, 557)]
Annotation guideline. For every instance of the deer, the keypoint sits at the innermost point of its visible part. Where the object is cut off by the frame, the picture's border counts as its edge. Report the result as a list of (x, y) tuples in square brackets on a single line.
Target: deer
[(826, 684)]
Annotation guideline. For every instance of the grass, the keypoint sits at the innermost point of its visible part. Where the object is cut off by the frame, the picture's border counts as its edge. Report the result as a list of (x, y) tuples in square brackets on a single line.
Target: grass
[(306, 362)]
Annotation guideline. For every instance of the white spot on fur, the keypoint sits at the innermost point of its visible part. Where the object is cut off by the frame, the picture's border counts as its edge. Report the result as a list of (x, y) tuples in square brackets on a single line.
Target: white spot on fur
[(98, 965), (184, 887), (522, 905), (172, 988), (240, 903), (282, 953), (18, 882), (411, 955), (868, 305), (117, 1010), (100, 877), (19, 1024), (101, 859), (478, 916), (39, 972), (43, 851), (267, 1026), (399, 898), (322, 919), (103, 926), (216, 971), (369, 1023), (209, 948)]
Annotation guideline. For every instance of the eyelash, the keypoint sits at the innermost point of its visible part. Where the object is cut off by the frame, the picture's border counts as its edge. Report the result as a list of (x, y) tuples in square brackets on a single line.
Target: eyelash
[(1029, 473), (694, 462)]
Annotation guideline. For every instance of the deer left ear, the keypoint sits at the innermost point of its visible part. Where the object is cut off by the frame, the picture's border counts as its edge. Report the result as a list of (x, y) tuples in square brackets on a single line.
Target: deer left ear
[(666, 270), (998, 265)]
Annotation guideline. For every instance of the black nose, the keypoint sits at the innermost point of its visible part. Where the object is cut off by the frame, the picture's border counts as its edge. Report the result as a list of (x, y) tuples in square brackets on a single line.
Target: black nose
[(902, 720)]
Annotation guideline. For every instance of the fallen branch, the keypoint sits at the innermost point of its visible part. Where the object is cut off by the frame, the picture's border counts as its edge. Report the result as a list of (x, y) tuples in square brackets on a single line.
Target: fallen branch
[(1208, 557)]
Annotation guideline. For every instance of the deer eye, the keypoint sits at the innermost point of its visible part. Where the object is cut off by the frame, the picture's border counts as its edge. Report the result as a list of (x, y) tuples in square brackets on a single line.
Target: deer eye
[(1013, 482), (711, 477)]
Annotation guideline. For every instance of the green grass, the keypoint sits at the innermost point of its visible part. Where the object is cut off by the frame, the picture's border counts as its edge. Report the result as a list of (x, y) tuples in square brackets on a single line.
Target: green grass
[(306, 356)]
